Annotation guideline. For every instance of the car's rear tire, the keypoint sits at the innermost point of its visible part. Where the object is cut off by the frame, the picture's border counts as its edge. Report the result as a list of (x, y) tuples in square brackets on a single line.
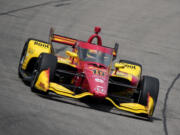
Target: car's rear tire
[(23, 54), (149, 85), (44, 62)]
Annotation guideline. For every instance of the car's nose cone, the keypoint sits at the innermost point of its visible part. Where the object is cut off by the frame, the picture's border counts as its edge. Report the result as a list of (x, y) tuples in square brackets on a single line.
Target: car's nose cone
[(97, 81), (100, 91)]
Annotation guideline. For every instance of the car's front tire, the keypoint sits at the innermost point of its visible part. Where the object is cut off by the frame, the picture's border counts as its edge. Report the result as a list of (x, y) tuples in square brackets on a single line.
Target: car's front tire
[(45, 61), (149, 85)]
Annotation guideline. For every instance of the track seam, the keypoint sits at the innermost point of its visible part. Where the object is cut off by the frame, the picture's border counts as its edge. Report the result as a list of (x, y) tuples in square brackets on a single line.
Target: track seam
[(165, 104)]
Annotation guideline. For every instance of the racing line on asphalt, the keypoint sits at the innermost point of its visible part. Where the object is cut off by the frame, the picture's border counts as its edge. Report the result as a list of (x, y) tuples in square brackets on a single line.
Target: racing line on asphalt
[(37, 5), (165, 104)]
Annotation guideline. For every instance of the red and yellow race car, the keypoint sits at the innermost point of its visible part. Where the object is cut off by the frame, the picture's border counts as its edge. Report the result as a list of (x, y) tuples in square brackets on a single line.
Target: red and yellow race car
[(87, 71)]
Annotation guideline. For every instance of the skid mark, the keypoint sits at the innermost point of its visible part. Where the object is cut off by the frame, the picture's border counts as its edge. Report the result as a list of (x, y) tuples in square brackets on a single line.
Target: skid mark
[(165, 104)]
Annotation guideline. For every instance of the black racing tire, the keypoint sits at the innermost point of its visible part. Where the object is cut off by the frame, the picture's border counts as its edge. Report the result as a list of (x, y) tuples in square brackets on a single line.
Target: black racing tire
[(149, 85), (131, 62), (23, 54), (44, 62)]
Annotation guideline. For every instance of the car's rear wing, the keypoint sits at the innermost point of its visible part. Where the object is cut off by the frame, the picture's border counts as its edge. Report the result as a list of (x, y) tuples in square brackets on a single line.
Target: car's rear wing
[(61, 39), (70, 41)]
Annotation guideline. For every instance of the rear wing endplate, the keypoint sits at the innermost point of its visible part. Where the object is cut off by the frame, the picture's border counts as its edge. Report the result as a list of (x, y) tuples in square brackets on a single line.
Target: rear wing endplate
[(61, 39)]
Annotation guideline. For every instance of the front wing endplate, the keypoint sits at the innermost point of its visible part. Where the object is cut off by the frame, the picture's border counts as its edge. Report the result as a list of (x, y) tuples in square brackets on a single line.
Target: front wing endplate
[(135, 107)]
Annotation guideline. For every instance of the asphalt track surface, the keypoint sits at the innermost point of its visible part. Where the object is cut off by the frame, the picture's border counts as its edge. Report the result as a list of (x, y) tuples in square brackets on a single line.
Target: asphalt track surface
[(148, 32)]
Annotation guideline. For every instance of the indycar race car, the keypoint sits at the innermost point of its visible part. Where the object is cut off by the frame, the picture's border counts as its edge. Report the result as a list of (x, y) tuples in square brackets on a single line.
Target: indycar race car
[(87, 71)]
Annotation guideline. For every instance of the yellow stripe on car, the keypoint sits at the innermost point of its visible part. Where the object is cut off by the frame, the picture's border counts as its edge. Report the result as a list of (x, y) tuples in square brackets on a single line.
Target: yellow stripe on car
[(134, 107)]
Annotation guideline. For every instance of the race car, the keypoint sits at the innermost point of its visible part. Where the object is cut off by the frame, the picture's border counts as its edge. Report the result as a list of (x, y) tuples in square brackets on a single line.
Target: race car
[(88, 71)]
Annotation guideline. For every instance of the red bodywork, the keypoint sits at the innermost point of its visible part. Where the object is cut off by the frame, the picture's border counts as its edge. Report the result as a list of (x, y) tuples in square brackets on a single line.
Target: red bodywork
[(96, 74)]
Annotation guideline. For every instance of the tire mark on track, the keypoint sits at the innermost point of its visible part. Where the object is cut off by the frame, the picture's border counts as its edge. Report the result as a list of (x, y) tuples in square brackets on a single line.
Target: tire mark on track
[(165, 104), (37, 5)]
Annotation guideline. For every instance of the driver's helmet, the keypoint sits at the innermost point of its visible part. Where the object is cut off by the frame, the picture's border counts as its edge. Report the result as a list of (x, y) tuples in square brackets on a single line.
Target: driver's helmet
[(92, 53)]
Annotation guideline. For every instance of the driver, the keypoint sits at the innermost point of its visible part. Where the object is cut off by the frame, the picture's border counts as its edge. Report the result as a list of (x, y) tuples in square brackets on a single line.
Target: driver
[(92, 54)]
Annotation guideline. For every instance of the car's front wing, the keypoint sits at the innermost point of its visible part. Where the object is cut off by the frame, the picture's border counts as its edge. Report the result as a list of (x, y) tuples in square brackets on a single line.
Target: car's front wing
[(43, 84)]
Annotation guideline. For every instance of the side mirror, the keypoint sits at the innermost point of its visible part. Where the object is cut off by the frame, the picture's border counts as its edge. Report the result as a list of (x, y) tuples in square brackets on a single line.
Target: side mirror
[(71, 54), (118, 65)]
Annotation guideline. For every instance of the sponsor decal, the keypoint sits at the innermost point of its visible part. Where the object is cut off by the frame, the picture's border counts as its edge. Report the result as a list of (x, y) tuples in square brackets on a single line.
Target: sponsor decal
[(31, 51), (98, 72), (129, 66), (100, 77), (41, 44), (121, 74), (99, 80), (42, 85), (100, 89)]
